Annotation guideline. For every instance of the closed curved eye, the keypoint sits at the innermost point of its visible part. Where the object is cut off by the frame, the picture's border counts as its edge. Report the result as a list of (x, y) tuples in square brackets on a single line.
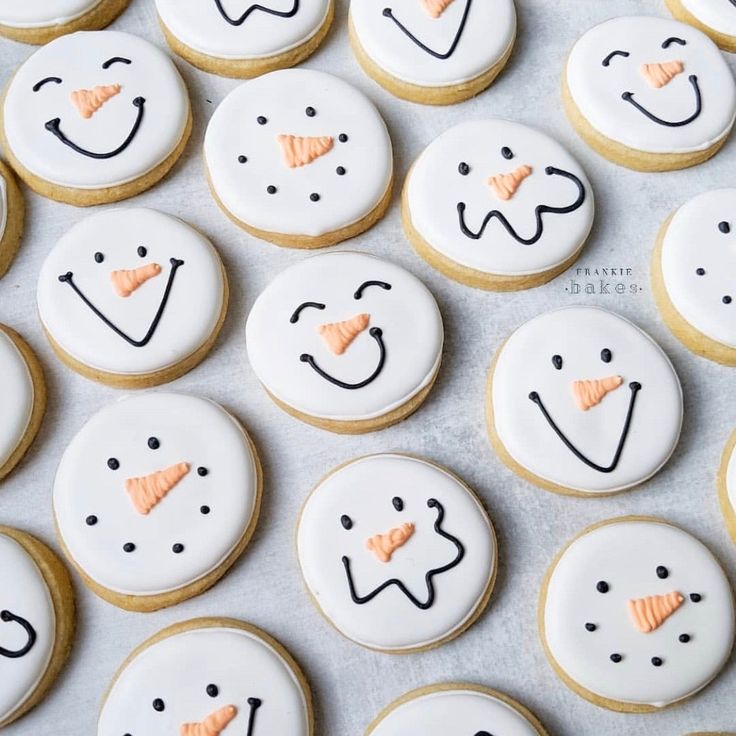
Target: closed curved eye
[(304, 305), (115, 60), (673, 39), (46, 80), (366, 284), (613, 55)]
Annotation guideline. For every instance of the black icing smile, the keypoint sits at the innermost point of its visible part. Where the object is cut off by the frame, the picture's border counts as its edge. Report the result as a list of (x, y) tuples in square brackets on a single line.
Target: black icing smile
[(53, 126), (539, 211), (9, 617), (252, 9), (629, 97)]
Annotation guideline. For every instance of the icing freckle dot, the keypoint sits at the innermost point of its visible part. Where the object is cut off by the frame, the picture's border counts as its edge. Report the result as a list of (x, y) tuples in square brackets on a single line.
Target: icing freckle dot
[(507, 153), (271, 189), (202, 471), (616, 658), (657, 661), (724, 227), (178, 548), (398, 503), (346, 521), (340, 170), (142, 251), (212, 690), (557, 362), (602, 586), (128, 547), (696, 597), (700, 271), (343, 138), (684, 638), (113, 463), (314, 197), (153, 443), (91, 520), (463, 168), (204, 510), (310, 112), (662, 572), (606, 355), (242, 159), (158, 705), (727, 299), (99, 257), (261, 120), (590, 627)]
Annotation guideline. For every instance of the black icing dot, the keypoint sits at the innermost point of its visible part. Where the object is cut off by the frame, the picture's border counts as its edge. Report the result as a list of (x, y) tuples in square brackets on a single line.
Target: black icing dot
[(340, 170), (142, 251), (202, 471), (212, 690), (271, 189), (398, 503), (684, 638), (463, 168), (483, 733), (310, 112), (204, 510), (113, 463), (616, 658), (727, 299), (700, 271), (507, 153), (261, 120), (242, 159), (557, 362), (91, 520), (724, 227), (99, 257), (662, 572), (153, 443), (158, 705), (657, 661), (606, 355), (696, 597), (178, 548), (314, 197), (343, 137), (602, 586), (590, 627), (129, 547), (346, 521)]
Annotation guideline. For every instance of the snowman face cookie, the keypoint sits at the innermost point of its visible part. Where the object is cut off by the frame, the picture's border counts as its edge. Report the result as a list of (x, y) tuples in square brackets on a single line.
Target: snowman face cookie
[(43, 14), (16, 400), (581, 400), (208, 677), (717, 15), (652, 84), (638, 613), (93, 110), (397, 552), (156, 492), (500, 198)]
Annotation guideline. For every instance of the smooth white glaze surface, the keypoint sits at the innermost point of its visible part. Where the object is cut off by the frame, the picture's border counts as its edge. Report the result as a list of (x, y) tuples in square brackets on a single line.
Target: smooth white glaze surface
[(16, 398), (42, 13), (720, 15)]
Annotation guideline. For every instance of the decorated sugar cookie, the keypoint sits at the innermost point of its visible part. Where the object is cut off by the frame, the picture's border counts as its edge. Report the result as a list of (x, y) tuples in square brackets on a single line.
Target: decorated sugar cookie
[(132, 297), (95, 117), (636, 614), (12, 217), (36, 622), (241, 38), (581, 401), (299, 158), (497, 205), (208, 677), (727, 485), (695, 288), (397, 552), (346, 341), (156, 497), (433, 51), (457, 708), (650, 93), (717, 18)]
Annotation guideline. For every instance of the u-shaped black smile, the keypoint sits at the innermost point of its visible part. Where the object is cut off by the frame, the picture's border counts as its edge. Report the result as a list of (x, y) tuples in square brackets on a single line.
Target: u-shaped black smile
[(7, 616), (377, 334), (252, 9), (629, 97), (176, 263), (634, 387), (53, 127), (539, 211)]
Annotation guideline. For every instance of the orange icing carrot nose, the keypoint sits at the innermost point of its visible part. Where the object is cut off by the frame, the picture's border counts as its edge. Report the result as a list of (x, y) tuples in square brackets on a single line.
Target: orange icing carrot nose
[(126, 281), (213, 725), (658, 75), (339, 335), (651, 612), (505, 185), (436, 7), (590, 393), (147, 490), (89, 101), (383, 546), (302, 150)]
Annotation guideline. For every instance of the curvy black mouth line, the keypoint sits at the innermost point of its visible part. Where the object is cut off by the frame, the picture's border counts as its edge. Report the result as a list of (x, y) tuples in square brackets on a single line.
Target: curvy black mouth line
[(7, 616), (629, 97), (377, 334), (252, 9), (176, 263), (539, 210), (255, 704), (635, 387), (53, 127), (433, 503), (389, 13)]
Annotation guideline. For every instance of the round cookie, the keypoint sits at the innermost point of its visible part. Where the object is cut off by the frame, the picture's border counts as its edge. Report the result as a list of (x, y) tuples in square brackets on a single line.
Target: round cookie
[(245, 40), (636, 614), (299, 158), (132, 297), (497, 205), (648, 93), (457, 708), (22, 400), (12, 217), (37, 622), (436, 52), (716, 18), (580, 401), (346, 341), (41, 22), (397, 552), (727, 485), (694, 287), (95, 117), (206, 677), (156, 497)]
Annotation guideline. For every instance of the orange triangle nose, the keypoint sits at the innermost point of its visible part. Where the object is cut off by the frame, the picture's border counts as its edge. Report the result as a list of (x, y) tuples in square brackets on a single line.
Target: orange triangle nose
[(661, 74), (300, 150), (126, 281), (504, 186), (213, 725), (89, 101), (435, 8), (648, 614), (383, 546), (339, 335), (590, 393), (148, 490)]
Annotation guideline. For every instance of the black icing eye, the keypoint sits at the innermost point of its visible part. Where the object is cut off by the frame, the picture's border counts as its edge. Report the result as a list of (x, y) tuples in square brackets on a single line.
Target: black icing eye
[(310, 112), (398, 503), (700, 271), (602, 586), (177, 548), (684, 638), (724, 227), (113, 463), (153, 443), (606, 355), (129, 547), (607, 61), (507, 153), (557, 362), (202, 471), (158, 705), (673, 39), (314, 197), (142, 251), (271, 189), (657, 661), (91, 520), (46, 80), (340, 170), (212, 690), (590, 627), (346, 521), (616, 658), (483, 733), (727, 299), (242, 159), (304, 305), (99, 257), (343, 137), (662, 572), (261, 120), (204, 510), (696, 597), (463, 168), (115, 60)]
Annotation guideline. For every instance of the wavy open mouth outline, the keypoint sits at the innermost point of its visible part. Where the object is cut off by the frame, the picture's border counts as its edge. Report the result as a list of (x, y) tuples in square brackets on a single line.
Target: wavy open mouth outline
[(252, 9), (629, 97), (8, 617)]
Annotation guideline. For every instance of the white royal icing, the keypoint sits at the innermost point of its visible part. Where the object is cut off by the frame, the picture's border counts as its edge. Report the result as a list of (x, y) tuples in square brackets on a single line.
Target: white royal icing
[(242, 31), (16, 398), (42, 14), (731, 479), (720, 15), (192, 304), (188, 430), (282, 99), (377, 494), (700, 298), (437, 185), (467, 39), (626, 556), (23, 593), (178, 670), (579, 335), (77, 59), (406, 315), (597, 89)]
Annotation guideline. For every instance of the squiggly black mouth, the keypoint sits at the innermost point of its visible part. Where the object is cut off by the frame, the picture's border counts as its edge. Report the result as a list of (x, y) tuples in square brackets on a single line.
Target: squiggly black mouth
[(629, 97), (7, 616), (252, 9), (539, 211)]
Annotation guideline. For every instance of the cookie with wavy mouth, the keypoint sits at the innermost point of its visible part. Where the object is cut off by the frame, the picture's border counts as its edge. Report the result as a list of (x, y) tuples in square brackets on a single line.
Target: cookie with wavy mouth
[(238, 20)]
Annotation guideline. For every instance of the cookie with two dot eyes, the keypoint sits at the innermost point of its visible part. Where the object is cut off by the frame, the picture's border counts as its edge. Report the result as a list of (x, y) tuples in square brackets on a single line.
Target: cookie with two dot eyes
[(397, 552), (156, 497), (636, 614), (435, 52), (95, 117), (299, 158), (12, 217), (240, 38), (497, 205), (651, 94), (726, 483), (208, 677), (582, 402), (694, 287), (346, 341), (716, 18)]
